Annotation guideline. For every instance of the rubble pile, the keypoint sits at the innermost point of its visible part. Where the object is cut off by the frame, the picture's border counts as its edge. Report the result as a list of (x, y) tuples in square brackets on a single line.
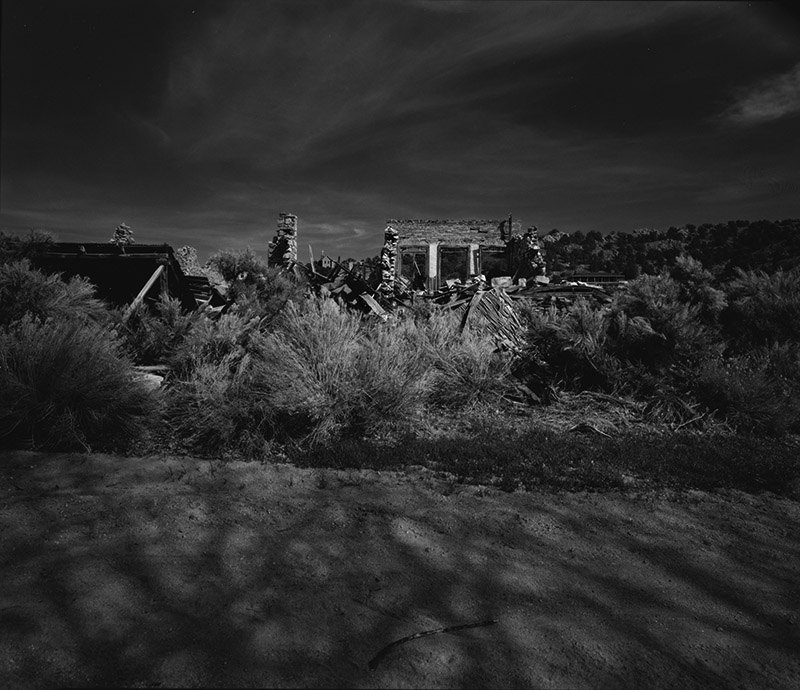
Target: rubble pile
[(349, 289)]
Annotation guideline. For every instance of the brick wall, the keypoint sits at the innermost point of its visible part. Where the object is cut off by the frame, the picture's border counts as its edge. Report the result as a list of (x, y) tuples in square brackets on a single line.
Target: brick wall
[(453, 232)]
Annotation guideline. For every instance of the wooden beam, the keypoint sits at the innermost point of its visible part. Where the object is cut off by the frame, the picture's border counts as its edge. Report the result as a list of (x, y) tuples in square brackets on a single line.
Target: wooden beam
[(91, 257), (137, 300), (433, 267), (164, 284)]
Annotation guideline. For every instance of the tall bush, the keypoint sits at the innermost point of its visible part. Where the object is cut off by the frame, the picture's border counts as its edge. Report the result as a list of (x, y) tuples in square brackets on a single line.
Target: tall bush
[(220, 406), (756, 393), (16, 248), (569, 348), (763, 308), (154, 336), (254, 286), (66, 385), (695, 287), (229, 338), (26, 290), (683, 336), (464, 365), (394, 379)]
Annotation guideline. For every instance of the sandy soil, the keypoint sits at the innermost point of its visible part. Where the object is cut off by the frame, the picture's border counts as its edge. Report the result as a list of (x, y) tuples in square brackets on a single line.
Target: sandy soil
[(158, 572)]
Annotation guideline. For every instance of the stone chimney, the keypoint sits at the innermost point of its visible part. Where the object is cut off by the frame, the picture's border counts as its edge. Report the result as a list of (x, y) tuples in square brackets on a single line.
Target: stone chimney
[(123, 236), (283, 248), (187, 259), (527, 257), (389, 260)]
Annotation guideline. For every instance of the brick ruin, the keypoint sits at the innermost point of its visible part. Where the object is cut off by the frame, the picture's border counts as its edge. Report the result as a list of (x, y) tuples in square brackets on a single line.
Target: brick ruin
[(430, 253)]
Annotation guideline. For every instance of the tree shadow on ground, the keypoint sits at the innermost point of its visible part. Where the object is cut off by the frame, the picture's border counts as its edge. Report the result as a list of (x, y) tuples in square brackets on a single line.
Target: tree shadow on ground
[(153, 572)]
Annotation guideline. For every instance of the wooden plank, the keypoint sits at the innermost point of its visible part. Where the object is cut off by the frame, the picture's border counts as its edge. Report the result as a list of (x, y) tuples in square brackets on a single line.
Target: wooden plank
[(476, 298), (150, 281), (372, 303), (164, 284)]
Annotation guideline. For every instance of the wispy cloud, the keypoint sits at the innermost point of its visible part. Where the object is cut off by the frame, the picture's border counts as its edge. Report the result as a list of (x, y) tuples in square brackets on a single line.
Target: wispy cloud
[(575, 115), (769, 99)]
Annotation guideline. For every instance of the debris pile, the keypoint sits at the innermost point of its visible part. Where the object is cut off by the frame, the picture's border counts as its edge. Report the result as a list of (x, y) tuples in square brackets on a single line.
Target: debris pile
[(349, 289)]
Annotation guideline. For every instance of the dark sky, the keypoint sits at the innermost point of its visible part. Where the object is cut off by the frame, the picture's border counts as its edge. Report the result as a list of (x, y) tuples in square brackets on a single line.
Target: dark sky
[(198, 122)]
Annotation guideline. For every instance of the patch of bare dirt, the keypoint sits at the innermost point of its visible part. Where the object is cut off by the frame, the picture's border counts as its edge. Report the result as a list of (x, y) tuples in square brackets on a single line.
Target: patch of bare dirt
[(157, 572)]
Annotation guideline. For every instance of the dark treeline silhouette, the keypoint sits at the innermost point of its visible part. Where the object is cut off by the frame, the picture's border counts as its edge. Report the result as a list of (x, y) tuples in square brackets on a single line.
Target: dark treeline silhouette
[(721, 248)]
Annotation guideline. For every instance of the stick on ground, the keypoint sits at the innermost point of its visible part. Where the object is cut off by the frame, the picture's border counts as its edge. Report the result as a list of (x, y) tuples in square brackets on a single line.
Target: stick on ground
[(373, 664)]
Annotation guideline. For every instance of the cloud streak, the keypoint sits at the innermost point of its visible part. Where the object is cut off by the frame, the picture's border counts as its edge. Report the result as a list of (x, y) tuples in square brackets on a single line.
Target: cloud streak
[(209, 122), (768, 100)]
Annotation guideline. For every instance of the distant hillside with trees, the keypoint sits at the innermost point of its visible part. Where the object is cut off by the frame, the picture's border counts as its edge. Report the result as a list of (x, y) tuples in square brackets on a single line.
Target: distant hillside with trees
[(758, 245)]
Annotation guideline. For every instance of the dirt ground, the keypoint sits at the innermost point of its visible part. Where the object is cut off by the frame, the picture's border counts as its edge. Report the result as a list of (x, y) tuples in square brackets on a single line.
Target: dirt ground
[(158, 572)]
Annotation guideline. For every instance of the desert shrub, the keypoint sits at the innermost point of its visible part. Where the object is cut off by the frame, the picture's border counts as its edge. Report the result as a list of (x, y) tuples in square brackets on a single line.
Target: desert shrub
[(320, 374), (220, 407), (309, 368), (16, 248), (26, 290), (763, 308), (243, 265), (254, 286), (394, 378), (465, 365), (752, 392), (153, 335), (422, 309), (782, 361), (647, 342), (568, 348), (695, 288), (233, 381), (215, 401), (65, 384), (632, 338), (230, 337), (683, 338)]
